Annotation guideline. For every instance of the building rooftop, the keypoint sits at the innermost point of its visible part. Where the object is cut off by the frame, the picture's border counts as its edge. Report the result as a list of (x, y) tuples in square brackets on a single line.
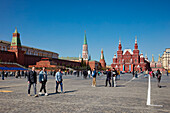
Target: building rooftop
[(130, 51), (6, 42), (69, 58)]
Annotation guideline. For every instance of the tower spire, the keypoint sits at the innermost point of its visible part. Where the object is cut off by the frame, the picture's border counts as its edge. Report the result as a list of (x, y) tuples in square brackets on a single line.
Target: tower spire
[(152, 58), (136, 44), (102, 55), (159, 59), (85, 40), (16, 31), (135, 39), (120, 46)]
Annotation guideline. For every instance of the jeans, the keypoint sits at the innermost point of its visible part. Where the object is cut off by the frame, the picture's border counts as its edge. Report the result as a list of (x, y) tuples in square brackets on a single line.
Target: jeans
[(113, 81), (2, 77), (108, 80), (43, 86), (61, 85), (29, 87)]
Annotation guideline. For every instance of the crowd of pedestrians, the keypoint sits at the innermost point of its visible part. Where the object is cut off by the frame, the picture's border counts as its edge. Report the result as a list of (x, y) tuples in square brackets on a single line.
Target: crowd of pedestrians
[(112, 75)]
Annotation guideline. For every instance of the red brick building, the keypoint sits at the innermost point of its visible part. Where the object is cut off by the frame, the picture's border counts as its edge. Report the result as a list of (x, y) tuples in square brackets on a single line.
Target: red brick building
[(128, 61), (29, 56)]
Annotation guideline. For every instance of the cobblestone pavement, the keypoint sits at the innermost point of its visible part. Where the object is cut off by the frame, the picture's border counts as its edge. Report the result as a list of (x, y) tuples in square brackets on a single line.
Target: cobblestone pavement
[(128, 96)]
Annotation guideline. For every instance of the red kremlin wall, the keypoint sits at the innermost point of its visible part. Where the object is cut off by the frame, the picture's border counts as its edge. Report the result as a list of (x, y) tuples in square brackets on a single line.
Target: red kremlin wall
[(6, 56)]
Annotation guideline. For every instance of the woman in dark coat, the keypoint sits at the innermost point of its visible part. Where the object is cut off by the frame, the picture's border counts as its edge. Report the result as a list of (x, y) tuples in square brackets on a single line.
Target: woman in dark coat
[(158, 74)]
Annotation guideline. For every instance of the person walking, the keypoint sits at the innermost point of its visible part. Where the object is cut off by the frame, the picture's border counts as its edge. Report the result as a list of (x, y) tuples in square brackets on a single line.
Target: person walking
[(167, 72), (59, 80), (2, 75), (94, 77), (43, 81), (25, 74), (136, 74), (158, 74), (114, 74), (108, 78), (89, 73), (32, 80), (85, 74), (19, 74)]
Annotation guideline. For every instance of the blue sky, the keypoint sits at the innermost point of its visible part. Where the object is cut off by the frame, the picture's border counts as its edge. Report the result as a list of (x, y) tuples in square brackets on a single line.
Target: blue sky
[(59, 25)]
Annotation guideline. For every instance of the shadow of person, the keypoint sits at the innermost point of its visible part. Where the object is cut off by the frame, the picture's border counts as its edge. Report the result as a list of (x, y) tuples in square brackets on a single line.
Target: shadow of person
[(120, 85), (52, 94), (100, 85), (70, 91), (162, 86), (4, 87), (61, 93)]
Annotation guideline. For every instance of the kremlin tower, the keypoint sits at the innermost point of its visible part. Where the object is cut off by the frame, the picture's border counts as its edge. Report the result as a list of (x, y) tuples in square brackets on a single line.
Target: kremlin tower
[(85, 49), (102, 61), (16, 47)]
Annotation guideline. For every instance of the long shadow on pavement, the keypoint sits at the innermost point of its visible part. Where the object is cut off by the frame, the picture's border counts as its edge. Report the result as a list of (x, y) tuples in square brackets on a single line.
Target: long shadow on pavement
[(70, 91), (4, 87), (64, 92)]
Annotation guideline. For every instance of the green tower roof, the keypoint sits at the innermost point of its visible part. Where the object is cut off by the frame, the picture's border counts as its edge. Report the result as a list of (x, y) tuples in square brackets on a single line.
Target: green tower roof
[(85, 40), (16, 39)]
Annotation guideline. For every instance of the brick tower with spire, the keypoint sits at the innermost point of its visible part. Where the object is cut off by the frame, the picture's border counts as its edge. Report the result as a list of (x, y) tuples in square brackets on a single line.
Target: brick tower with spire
[(102, 61), (135, 56), (17, 48), (85, 49)]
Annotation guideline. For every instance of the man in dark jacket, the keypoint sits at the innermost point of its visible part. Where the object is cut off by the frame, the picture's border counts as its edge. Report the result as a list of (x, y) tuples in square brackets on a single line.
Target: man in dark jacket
[(85, 74), (108, 78), (32, 80), (158, 74), (3, 73)]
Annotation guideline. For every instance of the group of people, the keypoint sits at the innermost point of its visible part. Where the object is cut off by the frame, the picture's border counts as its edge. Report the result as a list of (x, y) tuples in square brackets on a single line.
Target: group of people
[(157, 74), (32, 81), (17, 74), (110, 77)]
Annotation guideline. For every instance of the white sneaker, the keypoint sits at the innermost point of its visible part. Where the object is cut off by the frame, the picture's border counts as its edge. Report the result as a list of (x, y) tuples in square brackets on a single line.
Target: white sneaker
[(40, 93), (46, 94)]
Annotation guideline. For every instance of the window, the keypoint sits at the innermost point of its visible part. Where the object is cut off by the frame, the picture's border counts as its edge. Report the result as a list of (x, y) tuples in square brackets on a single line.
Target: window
[(135, 61), (4, 48)]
